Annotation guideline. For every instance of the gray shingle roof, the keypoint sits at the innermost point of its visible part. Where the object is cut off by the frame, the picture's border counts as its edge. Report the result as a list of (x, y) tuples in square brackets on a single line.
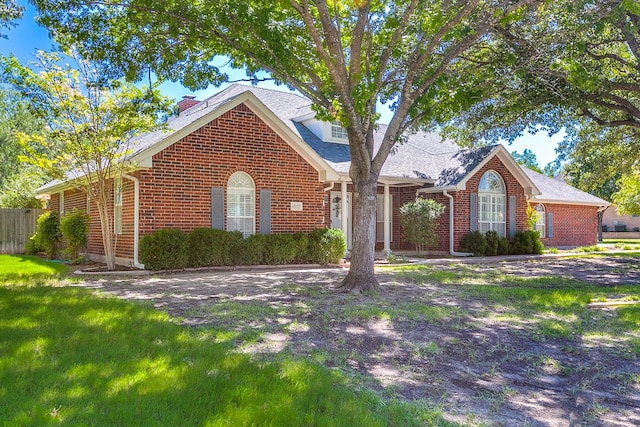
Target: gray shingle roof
[(423, 155), (555, 190)]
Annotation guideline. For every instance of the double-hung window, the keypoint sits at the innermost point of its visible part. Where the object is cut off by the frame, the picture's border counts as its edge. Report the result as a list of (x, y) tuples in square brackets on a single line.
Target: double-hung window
[(241, 204), (492, 206), (540, 220)]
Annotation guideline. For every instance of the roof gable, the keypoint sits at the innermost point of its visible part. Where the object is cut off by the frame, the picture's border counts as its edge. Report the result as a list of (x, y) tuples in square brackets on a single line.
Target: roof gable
[(196, 117)]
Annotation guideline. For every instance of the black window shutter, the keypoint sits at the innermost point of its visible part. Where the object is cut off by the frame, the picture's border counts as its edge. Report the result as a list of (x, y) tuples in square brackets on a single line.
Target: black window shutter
[(512, 217), (217, 208), (265, 211), (473, 212)]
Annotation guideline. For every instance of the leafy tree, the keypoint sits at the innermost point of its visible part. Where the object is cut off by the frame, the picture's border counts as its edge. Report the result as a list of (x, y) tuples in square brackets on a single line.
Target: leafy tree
[(597, 157), (527, 159), (582, 56), (19, 191), (90, 123), (418, 219), (344, 55), (9, 12), (627, 198), (18, 181)]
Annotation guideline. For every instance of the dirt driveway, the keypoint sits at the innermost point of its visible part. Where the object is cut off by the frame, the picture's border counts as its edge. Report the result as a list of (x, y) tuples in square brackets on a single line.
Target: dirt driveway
[(437, 348)]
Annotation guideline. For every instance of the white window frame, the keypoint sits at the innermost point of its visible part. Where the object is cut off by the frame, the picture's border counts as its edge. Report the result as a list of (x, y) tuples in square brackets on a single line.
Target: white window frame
[(117, 205), (492, 204), (541, 222), (333, 132), (241, 204), (380, 217)]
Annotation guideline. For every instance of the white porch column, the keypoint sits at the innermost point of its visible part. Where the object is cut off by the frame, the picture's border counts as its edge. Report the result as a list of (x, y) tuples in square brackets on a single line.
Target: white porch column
[(387, 219), (344, 210)]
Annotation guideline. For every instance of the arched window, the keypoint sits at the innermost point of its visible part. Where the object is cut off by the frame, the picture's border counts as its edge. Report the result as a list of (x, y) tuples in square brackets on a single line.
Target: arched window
[(241, 204), (540, 222), (492, 206)]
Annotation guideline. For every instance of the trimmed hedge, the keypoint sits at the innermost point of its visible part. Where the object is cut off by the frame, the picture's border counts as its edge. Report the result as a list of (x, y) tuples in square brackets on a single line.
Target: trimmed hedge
[(165, 249), (205, 247), (489, 244)]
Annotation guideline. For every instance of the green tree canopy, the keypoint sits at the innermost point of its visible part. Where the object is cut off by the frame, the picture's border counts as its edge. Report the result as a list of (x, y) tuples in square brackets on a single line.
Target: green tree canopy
[(527, 159), (9, 12)]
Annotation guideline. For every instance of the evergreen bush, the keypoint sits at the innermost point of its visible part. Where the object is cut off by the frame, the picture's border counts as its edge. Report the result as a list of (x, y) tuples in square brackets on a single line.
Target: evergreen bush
[(279, 249), (493, 241), (527, 242), (254, 249), (47, 237), (326, 245), (474, 242), (164, 249), (503, 246), (74, 227), (207, 247)]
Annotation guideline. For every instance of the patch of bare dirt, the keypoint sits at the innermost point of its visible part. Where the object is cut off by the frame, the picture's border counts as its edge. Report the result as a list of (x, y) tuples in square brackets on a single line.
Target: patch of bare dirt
[(472, 358)]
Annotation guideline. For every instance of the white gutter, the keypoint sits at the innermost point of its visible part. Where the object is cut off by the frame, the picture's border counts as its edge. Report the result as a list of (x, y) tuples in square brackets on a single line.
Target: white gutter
[(330, 187), (451, 228), (136, 219)]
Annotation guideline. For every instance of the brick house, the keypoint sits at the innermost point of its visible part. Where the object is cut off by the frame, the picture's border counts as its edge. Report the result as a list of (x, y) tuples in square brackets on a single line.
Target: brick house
[(257, 161)]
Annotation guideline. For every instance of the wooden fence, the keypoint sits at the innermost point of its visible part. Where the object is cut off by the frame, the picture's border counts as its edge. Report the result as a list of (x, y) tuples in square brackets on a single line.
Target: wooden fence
[(16, 226)]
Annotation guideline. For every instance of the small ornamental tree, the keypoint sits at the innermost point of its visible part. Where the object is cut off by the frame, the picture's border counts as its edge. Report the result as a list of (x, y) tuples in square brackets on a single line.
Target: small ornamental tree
[(90, 125), (74, 227), (418, 219)]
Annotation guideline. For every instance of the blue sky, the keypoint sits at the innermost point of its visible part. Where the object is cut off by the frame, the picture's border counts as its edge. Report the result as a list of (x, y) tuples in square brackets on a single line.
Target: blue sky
[(27, 37)]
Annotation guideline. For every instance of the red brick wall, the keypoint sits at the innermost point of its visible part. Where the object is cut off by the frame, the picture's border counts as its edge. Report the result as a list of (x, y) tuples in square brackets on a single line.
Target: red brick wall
[(513, 188), (176, 192), (573, 225)]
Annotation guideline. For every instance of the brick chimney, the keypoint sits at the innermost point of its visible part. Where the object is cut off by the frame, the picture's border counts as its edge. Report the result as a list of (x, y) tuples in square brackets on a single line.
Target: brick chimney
[(186, 102)]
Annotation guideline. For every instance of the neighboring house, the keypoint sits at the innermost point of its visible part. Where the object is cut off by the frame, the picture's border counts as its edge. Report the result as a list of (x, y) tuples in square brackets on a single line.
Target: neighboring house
[(258, 161), (613, 221)]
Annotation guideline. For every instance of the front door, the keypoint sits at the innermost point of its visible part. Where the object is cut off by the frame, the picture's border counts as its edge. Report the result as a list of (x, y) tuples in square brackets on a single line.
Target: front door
[(336, 213)]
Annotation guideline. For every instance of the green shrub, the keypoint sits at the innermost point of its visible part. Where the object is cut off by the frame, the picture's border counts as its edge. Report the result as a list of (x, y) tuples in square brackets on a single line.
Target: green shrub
[(74, 227), (208, 247), (31, 246), (418, 219), (301, 243), (279, 249), (234, 241), (326, 245), (164, 249), (47, 237), (527, 242), (493, 241), (474, 242), (254, 249), (503, 246)]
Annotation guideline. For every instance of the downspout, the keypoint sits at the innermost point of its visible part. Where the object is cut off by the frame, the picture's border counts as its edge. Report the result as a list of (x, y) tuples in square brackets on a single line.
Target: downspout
[(451, 228), (136, 219), (330, 187)]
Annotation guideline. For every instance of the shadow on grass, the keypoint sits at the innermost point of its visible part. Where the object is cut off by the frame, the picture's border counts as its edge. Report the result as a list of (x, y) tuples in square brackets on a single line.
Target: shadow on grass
[(68, 356)]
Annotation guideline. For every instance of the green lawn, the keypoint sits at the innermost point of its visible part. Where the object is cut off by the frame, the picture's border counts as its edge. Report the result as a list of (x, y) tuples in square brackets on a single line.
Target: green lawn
[(70, 357), (32, 269)]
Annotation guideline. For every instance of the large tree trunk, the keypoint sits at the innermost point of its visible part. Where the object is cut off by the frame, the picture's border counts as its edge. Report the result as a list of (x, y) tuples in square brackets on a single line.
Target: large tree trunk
[(361, 277)]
